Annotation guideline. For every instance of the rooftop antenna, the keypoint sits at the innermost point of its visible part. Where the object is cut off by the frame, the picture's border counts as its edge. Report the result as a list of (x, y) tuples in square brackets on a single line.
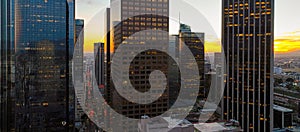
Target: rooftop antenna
[(179, 19)]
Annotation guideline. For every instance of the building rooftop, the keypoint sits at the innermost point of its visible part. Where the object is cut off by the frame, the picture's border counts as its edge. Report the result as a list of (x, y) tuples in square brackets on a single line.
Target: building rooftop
[(295, 129), (282, 109), (177, 122), (215, 127)]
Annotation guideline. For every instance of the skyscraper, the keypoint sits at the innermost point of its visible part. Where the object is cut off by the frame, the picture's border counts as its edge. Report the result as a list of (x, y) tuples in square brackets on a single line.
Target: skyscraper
[(71, 45), (107, 62), (42, 60), (71, 24), (107, 90), (78, 68), (132, 21), (247, 39), (99, 63), (79, 32), (6, 66), (173, 71), (195, 42)]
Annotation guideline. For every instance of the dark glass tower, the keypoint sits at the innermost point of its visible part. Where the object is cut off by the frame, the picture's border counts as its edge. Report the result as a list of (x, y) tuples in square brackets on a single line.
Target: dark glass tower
[(72, 25), (42, 60), (99, 63), (247, 38), (173, 71), (107, 75), (78, 67), (71, 45), (107, 71), (79, 31), (195, 42), (6, 65)]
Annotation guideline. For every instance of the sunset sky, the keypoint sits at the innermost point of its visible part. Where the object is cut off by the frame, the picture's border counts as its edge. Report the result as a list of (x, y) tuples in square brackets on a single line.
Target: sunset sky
[(287, 22)]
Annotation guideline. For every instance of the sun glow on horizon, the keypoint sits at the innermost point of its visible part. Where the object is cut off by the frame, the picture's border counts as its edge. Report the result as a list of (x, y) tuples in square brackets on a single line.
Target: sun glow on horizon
[(287, 43), (282, 44)]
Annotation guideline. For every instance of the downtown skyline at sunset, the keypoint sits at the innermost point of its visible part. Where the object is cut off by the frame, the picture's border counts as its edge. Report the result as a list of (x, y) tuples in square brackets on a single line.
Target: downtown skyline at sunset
[(287, 27), (149, 65)]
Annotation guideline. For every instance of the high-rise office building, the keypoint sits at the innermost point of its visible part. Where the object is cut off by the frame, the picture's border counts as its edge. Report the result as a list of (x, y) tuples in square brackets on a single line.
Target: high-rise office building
[(132, 21), (247, 39), (6, 65), (173, 71), (79, 32), (99, 72), (195, 42), (78, 68), (42, 60), (132, 16), (107, 62), (71, 45), (72, 26), (99, 64), (107, 90)]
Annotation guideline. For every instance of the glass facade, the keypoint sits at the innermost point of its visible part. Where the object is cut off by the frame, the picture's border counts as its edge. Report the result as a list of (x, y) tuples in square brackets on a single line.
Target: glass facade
[(107, 90), (99, 63), (72, 24), (70, 45), (247, 38), (195, 42), (78, 67), (42, 89), (6, 66), (79, 25)]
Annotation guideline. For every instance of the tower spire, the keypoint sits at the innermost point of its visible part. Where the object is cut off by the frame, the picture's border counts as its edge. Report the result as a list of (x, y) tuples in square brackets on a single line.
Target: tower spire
[(179, 19)]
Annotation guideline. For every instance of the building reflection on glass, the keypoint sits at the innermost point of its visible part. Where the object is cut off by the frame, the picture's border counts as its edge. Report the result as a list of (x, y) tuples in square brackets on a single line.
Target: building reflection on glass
[(42, 89)]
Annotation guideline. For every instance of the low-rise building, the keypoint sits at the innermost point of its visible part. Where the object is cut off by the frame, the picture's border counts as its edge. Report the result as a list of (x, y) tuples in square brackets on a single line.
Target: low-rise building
[(283, 117), (228, 126)]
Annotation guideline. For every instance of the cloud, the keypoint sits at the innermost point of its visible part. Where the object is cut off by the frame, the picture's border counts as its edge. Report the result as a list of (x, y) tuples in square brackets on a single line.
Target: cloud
[(289, 42), (89, 2), (92, 2)]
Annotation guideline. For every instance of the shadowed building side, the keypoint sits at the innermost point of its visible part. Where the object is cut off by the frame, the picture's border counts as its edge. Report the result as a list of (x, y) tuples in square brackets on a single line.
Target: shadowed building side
[(7, 65)]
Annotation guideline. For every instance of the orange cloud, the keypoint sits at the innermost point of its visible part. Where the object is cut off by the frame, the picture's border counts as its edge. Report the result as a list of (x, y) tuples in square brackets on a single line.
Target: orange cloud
[(210, 46), (283, 44), (287, 43)]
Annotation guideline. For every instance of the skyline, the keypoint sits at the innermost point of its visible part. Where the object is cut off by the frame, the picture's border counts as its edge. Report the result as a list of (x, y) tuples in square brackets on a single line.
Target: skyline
[(287, 28), (149, 65)]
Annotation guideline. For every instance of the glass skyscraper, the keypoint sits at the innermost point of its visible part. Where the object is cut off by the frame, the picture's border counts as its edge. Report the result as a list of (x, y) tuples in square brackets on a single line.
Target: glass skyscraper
[(78, 67), (6, 65), (71, 45), (99, 63), (72, 25), (42, 59), (107, 90), (247, 38), (195, 42)]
